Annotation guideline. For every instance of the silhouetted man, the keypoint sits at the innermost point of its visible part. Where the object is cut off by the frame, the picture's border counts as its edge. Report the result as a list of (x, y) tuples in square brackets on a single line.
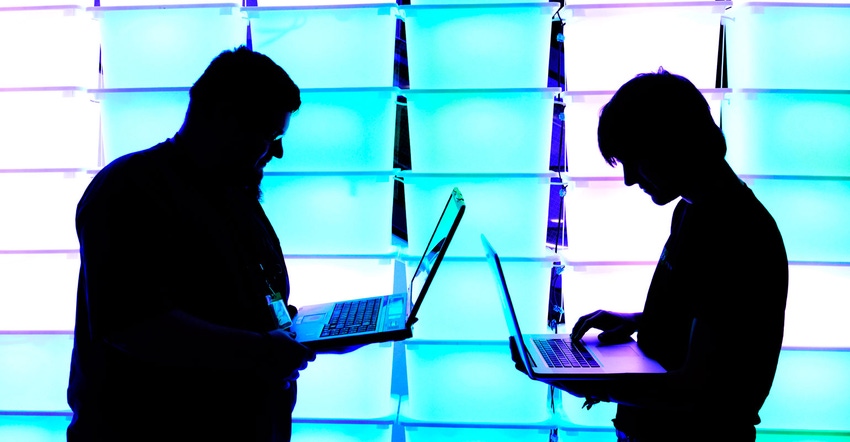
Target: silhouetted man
[(715, 310), (174, 337)]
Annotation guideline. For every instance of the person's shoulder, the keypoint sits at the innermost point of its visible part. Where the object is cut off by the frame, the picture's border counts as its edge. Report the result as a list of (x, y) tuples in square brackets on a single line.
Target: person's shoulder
[(135, 170)]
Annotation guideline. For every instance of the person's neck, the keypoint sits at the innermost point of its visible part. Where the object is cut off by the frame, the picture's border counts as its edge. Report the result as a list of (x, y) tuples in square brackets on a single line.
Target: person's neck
[(712, 182), (202, 148)]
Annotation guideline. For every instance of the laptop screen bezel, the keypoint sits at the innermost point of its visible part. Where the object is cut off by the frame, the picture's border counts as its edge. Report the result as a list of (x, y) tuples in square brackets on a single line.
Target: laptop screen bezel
[(456, 202), (507, 305)]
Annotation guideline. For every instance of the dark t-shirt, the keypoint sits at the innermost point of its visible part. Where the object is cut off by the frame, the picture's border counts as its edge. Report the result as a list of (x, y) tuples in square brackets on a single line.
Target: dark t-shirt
[(725, 265), (157, 235)]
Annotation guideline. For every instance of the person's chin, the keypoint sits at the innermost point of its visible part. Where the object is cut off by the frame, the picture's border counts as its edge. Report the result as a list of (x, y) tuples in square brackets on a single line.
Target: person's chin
[(662, 200)]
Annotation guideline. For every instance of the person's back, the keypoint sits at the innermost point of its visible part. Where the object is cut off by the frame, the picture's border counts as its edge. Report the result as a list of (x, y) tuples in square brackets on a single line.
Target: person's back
[(725, 266), (715, 309), (180, 233), (174, 339)]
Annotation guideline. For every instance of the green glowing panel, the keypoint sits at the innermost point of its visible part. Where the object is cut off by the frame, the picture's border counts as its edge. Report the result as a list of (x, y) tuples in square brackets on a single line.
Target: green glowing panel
[(788, 133), (478, 46), (789, 46), (812, 215)]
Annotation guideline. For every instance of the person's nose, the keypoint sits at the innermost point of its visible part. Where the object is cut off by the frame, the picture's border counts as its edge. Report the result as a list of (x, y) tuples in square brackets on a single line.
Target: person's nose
[(276, 149)]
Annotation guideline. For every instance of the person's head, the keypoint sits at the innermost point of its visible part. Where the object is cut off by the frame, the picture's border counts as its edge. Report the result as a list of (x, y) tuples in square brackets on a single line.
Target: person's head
[(659, 127), (243, 101)]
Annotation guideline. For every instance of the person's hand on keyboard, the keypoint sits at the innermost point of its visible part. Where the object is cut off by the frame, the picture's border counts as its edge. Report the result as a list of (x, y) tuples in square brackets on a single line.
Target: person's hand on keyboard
[(617, 328)]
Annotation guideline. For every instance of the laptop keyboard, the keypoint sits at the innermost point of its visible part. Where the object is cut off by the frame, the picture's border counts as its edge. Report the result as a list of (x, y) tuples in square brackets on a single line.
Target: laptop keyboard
[(559, 354), (353, 317)]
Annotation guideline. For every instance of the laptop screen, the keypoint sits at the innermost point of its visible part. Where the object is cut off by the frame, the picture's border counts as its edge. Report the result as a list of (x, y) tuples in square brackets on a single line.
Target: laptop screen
[(436, 248), (505, 298)]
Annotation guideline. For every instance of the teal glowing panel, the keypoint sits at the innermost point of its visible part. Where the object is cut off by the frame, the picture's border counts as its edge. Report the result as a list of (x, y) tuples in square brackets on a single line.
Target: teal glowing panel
[(134, 120), (478, 46), (469, 382), (468, 130), (33, 428), (462, 303), (165, 46), (350, 46), (510, 209), (789, 46), (340, 130), (812, 216), (34, 372), (337, 213), (788, 133), (809, 392), (419, 433), (359, 383)]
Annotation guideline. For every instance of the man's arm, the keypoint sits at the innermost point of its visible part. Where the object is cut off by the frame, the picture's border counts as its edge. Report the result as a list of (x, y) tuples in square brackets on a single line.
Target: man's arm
[(178, 339)]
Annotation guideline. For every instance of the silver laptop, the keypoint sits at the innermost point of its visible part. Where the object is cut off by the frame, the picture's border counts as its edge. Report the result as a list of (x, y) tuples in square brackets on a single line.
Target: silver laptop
[(380, 318), (556, 356)]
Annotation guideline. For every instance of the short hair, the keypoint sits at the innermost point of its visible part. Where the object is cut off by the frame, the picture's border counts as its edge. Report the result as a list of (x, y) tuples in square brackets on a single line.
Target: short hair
[(662, 115), (246, 87)]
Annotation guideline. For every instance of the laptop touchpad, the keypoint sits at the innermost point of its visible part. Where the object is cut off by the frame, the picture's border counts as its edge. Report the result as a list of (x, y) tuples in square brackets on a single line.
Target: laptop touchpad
[(611, 351)]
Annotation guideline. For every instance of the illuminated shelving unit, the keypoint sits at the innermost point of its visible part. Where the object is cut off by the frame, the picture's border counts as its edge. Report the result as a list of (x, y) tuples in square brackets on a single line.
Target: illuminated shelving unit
[(615, 233), (786, 122), (337, 175), (785, 117), (480, 114), (48, 143), (480, 119)]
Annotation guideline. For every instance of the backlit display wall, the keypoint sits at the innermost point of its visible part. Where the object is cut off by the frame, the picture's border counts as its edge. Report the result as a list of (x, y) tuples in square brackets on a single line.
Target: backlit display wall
[(479, 111)]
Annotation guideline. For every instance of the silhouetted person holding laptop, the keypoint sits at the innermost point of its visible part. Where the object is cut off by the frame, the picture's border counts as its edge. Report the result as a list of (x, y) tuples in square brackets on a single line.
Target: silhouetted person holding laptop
[(715, 310), (175, 339)]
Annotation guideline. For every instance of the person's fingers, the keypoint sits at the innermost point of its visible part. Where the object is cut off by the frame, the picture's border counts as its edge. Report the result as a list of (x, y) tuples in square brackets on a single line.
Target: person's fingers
[(617, 335), (585, 323), (292, 310)]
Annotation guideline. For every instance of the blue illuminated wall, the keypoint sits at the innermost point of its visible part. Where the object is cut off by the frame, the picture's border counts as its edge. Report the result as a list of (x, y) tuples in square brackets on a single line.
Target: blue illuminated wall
[(475, 112)]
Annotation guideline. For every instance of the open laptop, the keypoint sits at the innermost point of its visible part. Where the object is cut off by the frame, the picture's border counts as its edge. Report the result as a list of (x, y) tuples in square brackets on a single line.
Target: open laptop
[(556, 357), (380, 318)]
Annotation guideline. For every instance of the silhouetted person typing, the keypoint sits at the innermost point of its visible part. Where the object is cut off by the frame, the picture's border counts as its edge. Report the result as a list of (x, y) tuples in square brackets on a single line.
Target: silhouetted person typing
[(715, 310), (174, 337)]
